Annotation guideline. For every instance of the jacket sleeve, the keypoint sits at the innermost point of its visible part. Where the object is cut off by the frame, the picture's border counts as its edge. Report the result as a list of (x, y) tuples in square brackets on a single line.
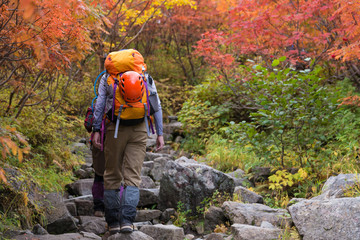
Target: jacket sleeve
[(158, 122), (158, 114), (100, 103)]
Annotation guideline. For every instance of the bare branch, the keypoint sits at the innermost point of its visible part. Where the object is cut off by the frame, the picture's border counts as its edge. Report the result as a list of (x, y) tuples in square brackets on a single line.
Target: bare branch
[(143, 26), (9, 77)]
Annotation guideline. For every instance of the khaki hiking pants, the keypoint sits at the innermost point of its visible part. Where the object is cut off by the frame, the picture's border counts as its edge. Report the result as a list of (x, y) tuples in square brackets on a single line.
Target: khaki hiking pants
[(124, 155), (98, 161)]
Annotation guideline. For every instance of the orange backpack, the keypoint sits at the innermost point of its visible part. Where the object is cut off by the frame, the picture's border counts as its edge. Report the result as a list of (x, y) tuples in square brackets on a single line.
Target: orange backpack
[(128, 64)]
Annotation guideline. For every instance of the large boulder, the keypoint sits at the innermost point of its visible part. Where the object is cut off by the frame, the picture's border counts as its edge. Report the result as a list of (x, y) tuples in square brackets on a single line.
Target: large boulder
[(174, 128), (168, 214), (214, 216), (185, 160), (147, 215), (240, 179), (191, 184), (135, 235), (255, 214), (66, 236), (163, 232), (81, 187), (150, 156), (147, 182), (216, 236), (247, 232), (84, 207), (57, 216), (148, 197), (158, 170), (92, 224), (328, 219), (336, 186), (18, 184), (247, 196)]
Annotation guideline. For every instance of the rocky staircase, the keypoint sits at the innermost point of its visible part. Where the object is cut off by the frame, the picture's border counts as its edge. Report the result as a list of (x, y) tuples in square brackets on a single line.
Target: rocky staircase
[(169, 178)]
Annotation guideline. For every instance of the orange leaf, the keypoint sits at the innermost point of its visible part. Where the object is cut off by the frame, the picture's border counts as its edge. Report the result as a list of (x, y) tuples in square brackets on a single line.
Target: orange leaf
[(13, 147), (29, 12), (4, 141), (20, 155), (11, 129), (26, 150), (2, 175)]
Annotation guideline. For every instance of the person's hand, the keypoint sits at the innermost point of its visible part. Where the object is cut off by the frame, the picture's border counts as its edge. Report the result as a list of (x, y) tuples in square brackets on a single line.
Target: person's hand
[(97, 140), (159, 143)]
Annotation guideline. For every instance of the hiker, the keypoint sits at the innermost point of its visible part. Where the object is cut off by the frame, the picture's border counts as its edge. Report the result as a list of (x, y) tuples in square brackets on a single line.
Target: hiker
[(125, 142), (98, 184), (98, 165)]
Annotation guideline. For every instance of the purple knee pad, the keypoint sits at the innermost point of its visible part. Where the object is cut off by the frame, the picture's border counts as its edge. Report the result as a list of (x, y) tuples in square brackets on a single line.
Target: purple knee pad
[(98, 190)]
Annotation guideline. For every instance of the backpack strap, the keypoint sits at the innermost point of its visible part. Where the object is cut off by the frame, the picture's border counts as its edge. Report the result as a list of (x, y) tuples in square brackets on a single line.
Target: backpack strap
[(146, 120), (118, 121), (92, 103), (116, 83), (102, 131), (151, 125), (148, 105), (147, 95)]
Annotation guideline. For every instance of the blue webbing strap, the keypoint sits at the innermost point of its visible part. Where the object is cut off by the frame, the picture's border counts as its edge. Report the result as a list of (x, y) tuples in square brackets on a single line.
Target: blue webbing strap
[(92, 102)]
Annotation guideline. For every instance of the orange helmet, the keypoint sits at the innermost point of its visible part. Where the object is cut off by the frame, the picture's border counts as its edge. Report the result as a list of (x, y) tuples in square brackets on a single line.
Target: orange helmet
[(131, 86)]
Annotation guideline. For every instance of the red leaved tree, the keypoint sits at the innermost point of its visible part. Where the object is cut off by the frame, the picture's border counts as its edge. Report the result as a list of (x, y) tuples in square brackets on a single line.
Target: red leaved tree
[(41, 42), (323, 30)]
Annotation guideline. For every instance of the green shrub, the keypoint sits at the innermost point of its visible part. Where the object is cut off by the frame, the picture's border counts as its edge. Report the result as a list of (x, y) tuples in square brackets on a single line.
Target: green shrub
[(295, 120), (297, 117), (207, 110)]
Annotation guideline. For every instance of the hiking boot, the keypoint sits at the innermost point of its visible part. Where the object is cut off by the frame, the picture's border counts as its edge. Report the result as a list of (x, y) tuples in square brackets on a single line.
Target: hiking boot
[(114, 230), (127, 228)]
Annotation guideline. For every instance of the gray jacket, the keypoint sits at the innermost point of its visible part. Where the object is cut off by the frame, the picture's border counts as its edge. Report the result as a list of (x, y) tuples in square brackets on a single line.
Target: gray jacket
[(105, 100)]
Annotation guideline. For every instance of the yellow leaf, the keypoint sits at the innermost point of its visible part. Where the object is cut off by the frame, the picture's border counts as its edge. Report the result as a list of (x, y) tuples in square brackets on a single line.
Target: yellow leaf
[(303, 173), (25, 198), (20, 155), (13, 147)]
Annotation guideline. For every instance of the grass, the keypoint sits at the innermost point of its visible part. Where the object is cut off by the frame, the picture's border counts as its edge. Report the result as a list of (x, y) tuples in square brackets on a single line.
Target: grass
[(225, 155)]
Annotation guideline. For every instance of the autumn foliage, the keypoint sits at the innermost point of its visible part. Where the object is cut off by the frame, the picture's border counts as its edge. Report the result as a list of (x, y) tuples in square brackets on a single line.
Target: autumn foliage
[(51, 33), (320, 30), (49, 52), (12, 143)]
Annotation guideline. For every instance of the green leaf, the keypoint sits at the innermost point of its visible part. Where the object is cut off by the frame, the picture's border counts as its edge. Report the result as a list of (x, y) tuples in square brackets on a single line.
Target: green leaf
[(275, 63), (283, 58), (258, 67)]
